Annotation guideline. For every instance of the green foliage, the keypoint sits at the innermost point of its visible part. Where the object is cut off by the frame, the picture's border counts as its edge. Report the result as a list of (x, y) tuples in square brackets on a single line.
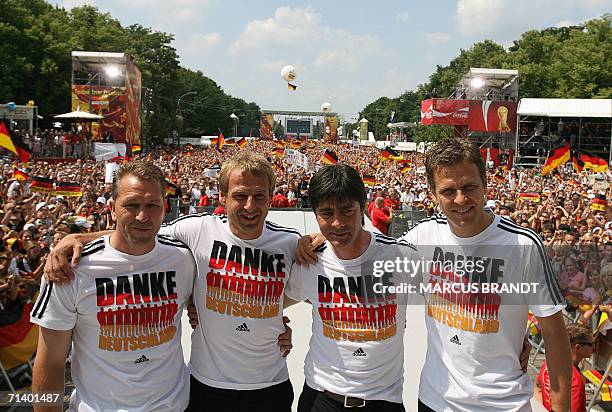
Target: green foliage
[(39, 39)]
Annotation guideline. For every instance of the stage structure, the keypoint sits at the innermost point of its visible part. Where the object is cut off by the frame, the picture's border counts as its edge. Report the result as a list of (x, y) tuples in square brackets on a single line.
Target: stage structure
[(108, 84), (483, 109), (300, 125), (23, 117), (545, 124)]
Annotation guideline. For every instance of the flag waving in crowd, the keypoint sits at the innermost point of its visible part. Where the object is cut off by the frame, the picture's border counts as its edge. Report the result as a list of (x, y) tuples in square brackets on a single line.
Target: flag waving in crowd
[(556, 158), (329, 157), (14, 143)]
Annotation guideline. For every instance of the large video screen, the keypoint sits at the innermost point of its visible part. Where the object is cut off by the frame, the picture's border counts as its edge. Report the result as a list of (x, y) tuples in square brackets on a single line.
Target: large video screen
[(295, 126)]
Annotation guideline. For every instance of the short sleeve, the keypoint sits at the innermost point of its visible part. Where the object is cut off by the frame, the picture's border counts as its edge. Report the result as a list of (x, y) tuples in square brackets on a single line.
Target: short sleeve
[(295, 287), (545, 297), (186, 229), (55, 307)]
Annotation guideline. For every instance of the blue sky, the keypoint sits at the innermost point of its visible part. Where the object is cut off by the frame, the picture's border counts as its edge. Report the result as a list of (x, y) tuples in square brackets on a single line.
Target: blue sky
[(347, 53)]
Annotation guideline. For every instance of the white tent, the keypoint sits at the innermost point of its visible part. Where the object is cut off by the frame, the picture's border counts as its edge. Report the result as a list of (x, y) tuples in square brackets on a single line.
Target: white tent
[(79, 115), (565, 107)]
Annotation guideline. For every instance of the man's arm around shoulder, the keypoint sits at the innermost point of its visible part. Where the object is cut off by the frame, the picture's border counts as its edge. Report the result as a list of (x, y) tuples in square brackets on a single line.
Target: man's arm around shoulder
[(48, 372), (559, 360)]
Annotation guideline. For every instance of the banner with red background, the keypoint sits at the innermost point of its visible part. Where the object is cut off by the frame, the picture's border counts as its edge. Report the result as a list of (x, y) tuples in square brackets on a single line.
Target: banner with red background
[(443, 111), (492, 116)]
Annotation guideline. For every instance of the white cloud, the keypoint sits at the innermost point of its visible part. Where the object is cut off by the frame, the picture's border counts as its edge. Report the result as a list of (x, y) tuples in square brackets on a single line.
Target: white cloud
[(565, 23), (192, 46), (289, 26), (162, 15), (403, 17), (434, 37), (504, 20)]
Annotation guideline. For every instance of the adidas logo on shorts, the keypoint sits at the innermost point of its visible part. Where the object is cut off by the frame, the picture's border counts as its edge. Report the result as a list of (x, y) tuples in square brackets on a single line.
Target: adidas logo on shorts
[(243, 328), (142, 359), (359, 352), (455, 340)]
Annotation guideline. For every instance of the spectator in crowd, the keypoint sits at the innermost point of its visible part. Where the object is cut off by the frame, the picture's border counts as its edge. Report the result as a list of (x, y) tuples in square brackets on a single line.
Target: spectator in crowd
[(381, 216), (583, 343)]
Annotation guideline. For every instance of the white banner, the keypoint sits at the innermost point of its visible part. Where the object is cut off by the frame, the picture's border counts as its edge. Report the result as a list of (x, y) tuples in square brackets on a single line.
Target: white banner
[(111, 169), (212, 172), (294, 157), (107, 151)]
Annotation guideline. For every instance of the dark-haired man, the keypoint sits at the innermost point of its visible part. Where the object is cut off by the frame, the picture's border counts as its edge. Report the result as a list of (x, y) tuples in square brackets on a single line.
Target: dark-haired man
[(475, 338), (356, 351)]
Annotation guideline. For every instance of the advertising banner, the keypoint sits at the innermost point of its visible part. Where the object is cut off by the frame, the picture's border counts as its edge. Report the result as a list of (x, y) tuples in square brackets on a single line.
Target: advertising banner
[(266, 125), (443, 111), (492, 117)]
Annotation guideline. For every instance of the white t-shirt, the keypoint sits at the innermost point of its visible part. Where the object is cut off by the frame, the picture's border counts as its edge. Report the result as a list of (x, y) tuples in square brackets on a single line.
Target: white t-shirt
[(473, 349), (239, 298), (356, 348), (125, 313)]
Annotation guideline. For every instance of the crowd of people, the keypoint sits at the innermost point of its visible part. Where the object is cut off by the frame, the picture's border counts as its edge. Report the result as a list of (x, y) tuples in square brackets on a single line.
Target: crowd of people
[(562, 207)]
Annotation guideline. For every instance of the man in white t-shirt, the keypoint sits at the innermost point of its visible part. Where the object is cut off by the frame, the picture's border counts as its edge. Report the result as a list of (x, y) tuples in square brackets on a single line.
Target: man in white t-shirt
[(243, 264), (355, 358), (475, 337), (122, 314)]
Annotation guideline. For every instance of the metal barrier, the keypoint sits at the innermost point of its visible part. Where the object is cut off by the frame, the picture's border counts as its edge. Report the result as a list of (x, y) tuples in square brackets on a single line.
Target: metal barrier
[(403, 219)]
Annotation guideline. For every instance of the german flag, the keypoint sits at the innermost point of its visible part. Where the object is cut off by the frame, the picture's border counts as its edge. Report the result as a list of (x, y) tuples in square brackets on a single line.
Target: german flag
[(595, 377), (280, 144), (41, 184), (14, 143), (405, 168), (19, 174), (68, 189), (171, 189), (599, 203), (296, 144), (18, 337), (329, 157), (213, 141), (529, 197), (278, 152), (5, 139), (369, 180), (499, 179), (577, 163), (391, 154), (556, 158), (242, 142), (136, 148), (230, 142), (594, 163), (220, 141)]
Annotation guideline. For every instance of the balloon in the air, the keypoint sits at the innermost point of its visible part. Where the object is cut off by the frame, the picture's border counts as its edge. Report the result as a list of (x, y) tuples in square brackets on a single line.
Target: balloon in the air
[(288, 73), (326, 107)]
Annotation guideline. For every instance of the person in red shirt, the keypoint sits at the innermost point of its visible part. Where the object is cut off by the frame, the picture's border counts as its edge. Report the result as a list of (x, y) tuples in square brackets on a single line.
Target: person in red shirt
[(392, 201), (219, 208), (204, 200), (279, 199), (381, 216), (582, 341)]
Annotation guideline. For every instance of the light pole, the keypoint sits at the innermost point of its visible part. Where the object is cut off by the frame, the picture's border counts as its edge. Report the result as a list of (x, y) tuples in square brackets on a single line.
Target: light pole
[(235, 119), (178, 115)]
